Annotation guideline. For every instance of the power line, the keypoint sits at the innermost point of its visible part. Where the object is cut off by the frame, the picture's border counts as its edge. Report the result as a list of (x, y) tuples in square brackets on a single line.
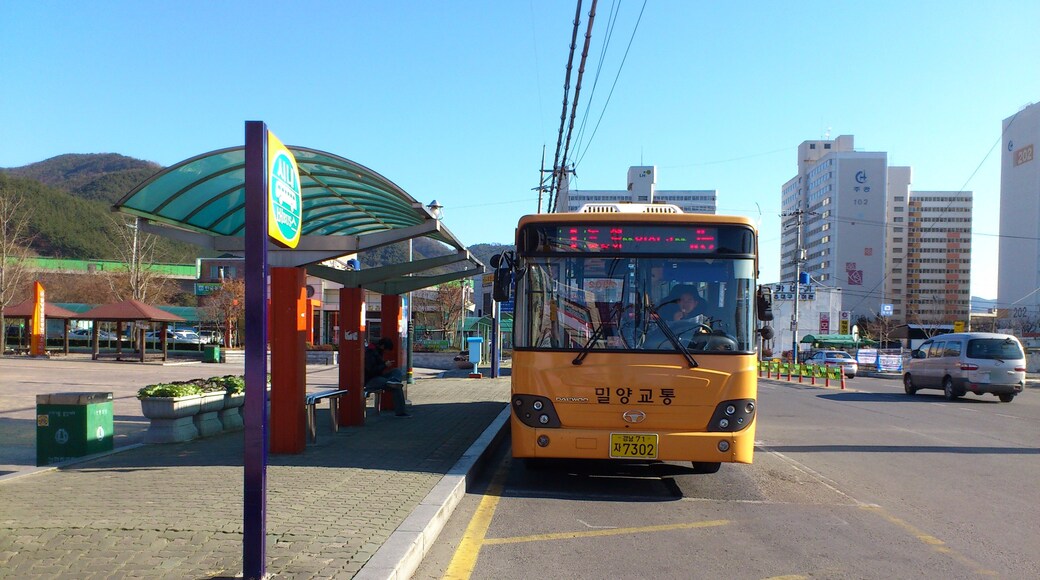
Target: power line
[(566, 96), (577, 86), (613, 86)]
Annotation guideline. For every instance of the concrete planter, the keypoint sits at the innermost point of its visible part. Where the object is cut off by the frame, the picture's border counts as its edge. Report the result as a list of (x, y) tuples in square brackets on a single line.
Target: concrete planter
[(322, 357), (172, 418), (206, 420), (231, 414)]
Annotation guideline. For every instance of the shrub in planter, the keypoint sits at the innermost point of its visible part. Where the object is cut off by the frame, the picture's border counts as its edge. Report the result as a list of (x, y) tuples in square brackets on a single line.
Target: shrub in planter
[(169, 390)]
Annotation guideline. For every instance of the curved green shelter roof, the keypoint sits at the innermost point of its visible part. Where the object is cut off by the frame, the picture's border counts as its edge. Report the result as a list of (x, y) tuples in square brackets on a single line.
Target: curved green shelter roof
[(207, 194), (347, 208)]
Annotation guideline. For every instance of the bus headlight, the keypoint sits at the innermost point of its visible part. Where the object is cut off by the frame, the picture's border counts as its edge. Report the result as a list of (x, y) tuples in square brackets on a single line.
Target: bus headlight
[(732, 415), (535, 411)]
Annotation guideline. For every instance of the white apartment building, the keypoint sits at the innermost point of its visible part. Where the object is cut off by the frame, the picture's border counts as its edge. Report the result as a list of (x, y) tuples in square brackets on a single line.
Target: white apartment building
[(642, 188), (838, 204), (936, 269), (1018, 275)]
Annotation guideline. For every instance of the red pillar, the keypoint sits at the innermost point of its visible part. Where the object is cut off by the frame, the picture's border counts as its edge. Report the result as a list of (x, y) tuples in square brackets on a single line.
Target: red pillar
[(287, 332), (391, 327), (352, 355)]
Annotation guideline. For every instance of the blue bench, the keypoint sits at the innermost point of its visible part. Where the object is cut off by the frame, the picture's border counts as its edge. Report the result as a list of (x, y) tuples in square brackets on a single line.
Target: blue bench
[(311, 403)]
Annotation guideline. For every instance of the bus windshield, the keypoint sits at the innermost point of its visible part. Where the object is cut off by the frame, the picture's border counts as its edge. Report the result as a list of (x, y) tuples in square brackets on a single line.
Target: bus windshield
[(597, 302)]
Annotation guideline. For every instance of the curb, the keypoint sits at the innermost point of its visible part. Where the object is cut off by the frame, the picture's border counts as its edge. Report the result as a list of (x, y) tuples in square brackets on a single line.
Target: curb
[(400, 555)]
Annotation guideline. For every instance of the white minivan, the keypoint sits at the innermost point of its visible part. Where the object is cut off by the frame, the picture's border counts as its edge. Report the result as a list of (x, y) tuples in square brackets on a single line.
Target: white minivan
[(968, 362)]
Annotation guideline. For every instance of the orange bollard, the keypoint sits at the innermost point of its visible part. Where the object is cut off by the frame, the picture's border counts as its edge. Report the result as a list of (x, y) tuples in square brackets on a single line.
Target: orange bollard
[(789, 373), (827, 375), (800, 375), (843, 379), (812, 380)]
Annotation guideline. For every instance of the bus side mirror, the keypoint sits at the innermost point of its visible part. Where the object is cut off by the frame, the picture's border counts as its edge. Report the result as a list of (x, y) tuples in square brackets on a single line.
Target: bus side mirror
[(503, 283), (765, 303), (503, 265), (766, 332)]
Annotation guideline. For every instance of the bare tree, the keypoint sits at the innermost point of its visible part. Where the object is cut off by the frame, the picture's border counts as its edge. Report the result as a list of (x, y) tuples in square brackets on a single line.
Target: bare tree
[(451, 299), (14, 249), (141, 279), (226, 307)]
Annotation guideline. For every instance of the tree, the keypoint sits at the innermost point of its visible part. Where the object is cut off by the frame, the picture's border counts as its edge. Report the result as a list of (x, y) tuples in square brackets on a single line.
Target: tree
[(226, 307), (15, 239), (451, 300), (141, 279)]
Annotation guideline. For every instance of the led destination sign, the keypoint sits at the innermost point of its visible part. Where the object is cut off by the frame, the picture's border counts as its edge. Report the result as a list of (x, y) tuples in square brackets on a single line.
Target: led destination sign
[(639, 239), (668, 239)]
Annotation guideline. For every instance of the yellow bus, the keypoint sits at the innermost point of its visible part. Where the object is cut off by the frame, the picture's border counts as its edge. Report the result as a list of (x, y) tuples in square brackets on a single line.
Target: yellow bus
[(635, 331)]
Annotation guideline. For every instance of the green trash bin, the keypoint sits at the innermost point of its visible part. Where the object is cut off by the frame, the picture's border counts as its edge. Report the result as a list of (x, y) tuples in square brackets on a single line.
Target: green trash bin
[(211, 353), (72, 425)]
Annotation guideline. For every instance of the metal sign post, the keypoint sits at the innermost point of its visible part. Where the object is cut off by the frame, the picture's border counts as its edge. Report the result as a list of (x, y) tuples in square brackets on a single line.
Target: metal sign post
[(254, 514)]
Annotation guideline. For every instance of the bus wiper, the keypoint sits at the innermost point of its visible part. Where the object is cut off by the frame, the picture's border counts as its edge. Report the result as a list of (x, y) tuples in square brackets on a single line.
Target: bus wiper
[(596, 335), (667, 332)]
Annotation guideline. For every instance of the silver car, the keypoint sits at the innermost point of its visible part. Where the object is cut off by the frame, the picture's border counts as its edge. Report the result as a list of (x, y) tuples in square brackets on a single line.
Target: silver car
[(835, 358), (968, 362)]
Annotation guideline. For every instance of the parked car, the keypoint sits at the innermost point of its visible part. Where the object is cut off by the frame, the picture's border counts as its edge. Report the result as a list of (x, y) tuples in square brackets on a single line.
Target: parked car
[(837, 358), (211, 337), (174, 337), (83, 334), (962, 362)]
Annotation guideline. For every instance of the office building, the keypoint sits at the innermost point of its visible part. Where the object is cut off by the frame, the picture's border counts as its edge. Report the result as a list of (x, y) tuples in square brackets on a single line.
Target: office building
[(1018, 275), (642, 188)]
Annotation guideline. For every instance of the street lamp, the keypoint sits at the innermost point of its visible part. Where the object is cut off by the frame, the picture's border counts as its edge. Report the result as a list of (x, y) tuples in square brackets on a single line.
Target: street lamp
[(436, 209)]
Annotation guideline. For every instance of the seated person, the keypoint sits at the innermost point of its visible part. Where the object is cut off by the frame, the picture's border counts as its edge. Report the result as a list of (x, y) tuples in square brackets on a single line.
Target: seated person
[(380, 376), (682, 303)]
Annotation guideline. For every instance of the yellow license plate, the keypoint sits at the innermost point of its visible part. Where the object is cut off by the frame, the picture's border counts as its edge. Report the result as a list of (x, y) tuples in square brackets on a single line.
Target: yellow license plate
[(633, 445)]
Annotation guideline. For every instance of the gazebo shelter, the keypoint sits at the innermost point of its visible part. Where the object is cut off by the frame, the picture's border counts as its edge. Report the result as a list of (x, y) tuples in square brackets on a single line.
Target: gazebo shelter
[(132, 311), (50, 310), (347, 208)]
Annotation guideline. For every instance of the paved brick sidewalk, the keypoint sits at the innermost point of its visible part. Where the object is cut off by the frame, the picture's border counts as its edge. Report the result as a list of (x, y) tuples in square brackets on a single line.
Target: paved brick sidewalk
[(176, 510)]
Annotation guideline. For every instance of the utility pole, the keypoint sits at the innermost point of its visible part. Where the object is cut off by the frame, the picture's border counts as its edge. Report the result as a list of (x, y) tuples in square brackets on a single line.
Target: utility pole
[(798, 259)]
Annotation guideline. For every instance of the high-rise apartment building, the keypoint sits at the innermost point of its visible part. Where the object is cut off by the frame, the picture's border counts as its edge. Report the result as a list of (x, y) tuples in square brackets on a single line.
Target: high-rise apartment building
[(1018, 275), (834, 222), (642, 188), (937, 263)]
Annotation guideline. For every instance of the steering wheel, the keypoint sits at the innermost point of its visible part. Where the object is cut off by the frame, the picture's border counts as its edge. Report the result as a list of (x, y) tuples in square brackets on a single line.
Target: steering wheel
[(656, 339), (701, 337)]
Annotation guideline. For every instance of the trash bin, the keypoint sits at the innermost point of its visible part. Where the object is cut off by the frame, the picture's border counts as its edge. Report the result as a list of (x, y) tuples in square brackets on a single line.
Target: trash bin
[(72, 425), (211, 353)]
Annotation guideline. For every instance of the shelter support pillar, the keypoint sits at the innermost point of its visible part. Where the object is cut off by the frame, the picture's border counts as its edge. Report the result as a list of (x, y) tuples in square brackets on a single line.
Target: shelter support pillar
[(352, 355), (392, 327), (288, 331)]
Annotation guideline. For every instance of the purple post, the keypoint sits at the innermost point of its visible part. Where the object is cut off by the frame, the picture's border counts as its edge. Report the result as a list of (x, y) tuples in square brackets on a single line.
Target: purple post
[(254, 514)]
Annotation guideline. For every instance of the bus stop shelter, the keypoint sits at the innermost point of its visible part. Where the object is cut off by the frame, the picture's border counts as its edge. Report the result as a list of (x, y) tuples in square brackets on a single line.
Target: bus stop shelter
[(347, 209)]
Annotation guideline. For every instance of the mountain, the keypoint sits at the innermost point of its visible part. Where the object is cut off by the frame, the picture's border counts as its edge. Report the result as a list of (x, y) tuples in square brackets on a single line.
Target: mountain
[(69, 199), (103, 177)]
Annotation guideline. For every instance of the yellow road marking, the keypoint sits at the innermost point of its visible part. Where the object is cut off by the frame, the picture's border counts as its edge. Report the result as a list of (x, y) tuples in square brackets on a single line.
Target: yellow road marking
[(597, 533), (936, 544), (465, 558)]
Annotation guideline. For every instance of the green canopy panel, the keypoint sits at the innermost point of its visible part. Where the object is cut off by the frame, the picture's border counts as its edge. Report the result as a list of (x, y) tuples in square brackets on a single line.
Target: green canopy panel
[(837, 340)]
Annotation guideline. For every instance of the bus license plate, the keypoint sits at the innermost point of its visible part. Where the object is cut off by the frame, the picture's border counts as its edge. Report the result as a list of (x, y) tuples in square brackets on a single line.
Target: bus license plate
[(633, 446)]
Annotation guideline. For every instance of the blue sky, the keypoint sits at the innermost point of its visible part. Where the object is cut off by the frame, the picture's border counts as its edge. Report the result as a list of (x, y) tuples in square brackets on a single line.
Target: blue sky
[(454, 100)]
